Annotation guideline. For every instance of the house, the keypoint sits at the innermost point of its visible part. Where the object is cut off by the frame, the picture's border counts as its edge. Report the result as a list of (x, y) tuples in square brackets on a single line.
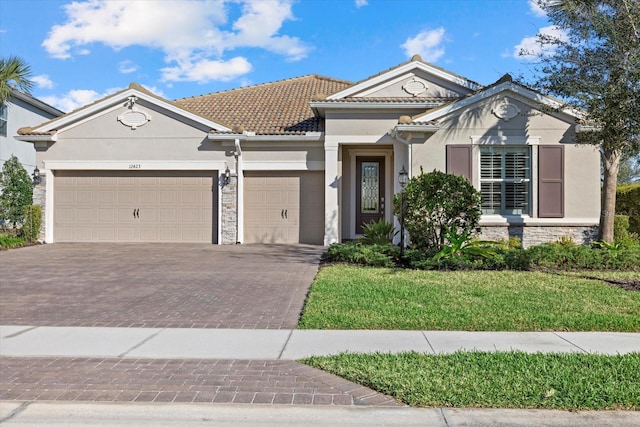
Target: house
[(310, 159), (21, 110)]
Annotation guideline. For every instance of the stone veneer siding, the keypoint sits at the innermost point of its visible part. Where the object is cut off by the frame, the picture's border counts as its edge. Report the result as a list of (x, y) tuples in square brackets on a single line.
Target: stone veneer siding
[(229, 212), (534, 235), (40, 199)]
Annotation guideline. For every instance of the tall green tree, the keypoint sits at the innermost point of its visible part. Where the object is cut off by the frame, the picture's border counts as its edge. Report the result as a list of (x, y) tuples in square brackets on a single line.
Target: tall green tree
[(594, 65), (14, 73), (17, 191)]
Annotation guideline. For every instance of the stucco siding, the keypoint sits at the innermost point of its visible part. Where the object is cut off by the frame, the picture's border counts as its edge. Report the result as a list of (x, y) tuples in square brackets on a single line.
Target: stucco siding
[(20, 114), (434, 87), (479, 126)]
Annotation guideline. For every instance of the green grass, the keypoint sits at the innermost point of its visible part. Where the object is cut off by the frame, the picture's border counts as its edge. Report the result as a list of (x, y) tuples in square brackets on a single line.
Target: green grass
[(7, 241), (351, 297), (500, 380)]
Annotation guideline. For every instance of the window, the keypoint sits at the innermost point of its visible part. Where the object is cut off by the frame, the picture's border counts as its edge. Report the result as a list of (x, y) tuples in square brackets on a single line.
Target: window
[(505, 180), (3, 120)]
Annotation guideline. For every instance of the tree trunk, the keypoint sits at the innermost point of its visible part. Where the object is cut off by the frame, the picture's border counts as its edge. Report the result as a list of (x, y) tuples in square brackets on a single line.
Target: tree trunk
[(611, 162)]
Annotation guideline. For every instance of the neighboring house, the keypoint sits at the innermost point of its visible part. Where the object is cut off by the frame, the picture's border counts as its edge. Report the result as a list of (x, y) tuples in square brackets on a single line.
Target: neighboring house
[(310, 159), (21, 110)]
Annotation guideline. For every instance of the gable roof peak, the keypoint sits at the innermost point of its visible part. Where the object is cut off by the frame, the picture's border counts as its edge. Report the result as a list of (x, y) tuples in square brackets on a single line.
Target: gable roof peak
[(506, 78)]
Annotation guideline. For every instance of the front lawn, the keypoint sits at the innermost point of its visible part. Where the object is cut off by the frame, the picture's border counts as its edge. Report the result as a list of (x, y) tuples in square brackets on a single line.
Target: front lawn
[(352, 297), (503, 380)]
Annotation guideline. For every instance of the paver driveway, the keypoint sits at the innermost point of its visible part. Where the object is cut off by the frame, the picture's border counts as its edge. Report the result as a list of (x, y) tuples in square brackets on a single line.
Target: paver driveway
[(156, 285)]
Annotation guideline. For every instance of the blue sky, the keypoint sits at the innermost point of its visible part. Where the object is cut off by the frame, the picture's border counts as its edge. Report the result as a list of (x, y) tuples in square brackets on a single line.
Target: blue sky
[(80, 51)]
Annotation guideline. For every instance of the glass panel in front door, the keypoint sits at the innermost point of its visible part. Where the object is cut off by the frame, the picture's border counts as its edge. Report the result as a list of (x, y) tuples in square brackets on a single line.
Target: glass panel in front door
[(370, 194)]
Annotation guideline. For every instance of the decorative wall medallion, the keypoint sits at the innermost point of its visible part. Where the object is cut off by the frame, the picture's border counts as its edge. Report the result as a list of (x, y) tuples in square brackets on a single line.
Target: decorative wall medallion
[(505, 110), (133, 118), (414, 87)]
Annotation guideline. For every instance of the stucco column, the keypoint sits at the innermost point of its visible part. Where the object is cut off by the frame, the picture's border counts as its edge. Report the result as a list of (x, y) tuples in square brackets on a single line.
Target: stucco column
[(331, 193), (401, 158)]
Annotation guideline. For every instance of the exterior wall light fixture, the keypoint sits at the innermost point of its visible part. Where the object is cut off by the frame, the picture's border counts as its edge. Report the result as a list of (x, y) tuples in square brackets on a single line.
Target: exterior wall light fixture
[(37, 179), (226, 177)]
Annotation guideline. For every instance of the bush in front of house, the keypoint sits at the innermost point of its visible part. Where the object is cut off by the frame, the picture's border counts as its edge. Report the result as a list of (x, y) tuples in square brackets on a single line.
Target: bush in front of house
[(547, 256), (32, 220), (376, 255), (17, 192), (434, 203), (628, 203)]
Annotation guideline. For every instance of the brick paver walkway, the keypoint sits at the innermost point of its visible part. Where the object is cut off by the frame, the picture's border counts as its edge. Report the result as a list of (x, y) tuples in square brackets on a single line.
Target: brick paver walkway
[(163, 380), (156, 285)]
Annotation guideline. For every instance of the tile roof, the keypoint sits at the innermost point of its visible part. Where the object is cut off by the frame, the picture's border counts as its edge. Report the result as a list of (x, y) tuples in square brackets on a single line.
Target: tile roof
[(276, 108)]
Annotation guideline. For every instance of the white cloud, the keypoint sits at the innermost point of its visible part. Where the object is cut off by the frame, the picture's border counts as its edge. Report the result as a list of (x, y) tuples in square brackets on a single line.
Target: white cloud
[(360, 3), (43, 81), (427, 44), (76, 98), (198, 37), (536, 10), (127, 67), (206, 70), (529, 48), (537, 6)]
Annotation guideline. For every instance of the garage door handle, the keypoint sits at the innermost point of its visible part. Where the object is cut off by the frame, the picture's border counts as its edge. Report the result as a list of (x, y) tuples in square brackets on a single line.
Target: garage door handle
[(285, 213), (136, 213), (282, 214)]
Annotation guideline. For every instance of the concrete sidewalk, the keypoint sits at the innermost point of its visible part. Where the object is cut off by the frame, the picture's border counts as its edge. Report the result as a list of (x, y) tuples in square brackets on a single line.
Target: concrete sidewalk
[(108, 415), (24, 341)]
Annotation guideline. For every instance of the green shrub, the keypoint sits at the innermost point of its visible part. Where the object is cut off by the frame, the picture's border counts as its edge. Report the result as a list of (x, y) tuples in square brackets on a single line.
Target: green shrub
[(17, 192), (32, 220), (11, 241), (461, 244), (628, 203), (621, 235), (378, 233), (358, 253), (556, 256), (434, 202)]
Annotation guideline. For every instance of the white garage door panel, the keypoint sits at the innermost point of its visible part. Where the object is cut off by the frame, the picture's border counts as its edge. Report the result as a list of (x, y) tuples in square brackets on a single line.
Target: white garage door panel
[(99, 206), (284, 207)]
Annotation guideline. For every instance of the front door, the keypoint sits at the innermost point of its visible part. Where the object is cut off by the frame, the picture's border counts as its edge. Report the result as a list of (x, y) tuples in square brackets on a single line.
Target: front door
[(370, 196)]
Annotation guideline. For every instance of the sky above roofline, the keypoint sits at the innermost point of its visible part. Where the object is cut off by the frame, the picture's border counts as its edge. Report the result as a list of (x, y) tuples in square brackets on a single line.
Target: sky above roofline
[(81, 51)]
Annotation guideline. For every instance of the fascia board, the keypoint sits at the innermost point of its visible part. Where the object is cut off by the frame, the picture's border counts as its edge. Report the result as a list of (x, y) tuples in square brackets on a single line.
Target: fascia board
[(417, 128), (37, 138), (114, 100), (310, 136), (402, 70), (504, 87), (36, 103), (373, 105)]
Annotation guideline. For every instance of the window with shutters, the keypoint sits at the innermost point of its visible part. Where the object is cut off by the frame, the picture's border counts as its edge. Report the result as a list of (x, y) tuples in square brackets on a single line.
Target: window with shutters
[(505, 180)]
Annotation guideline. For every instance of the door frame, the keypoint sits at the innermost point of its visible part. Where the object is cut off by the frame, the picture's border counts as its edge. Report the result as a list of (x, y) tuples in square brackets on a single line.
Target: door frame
[(387, 153), (382, 194)]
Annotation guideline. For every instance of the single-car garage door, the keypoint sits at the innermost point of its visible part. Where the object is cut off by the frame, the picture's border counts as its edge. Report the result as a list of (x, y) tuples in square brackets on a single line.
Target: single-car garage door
[(140, 206), (284, 207)]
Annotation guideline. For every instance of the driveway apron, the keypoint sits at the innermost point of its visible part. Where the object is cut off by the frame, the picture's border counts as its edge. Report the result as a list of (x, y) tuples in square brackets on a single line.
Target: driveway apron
[(156, 285)]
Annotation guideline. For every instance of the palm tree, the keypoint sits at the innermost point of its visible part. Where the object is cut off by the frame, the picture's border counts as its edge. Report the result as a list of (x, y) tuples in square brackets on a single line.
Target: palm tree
[(14, 73)]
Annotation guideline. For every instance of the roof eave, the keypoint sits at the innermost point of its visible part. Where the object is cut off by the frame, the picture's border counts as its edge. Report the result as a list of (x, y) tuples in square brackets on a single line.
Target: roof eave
[(37, 138), (422, 128), (251, 136)]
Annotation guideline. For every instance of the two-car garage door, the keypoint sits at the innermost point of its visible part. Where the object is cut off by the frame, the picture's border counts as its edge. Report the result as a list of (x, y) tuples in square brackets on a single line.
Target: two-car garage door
[(136, 206)]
